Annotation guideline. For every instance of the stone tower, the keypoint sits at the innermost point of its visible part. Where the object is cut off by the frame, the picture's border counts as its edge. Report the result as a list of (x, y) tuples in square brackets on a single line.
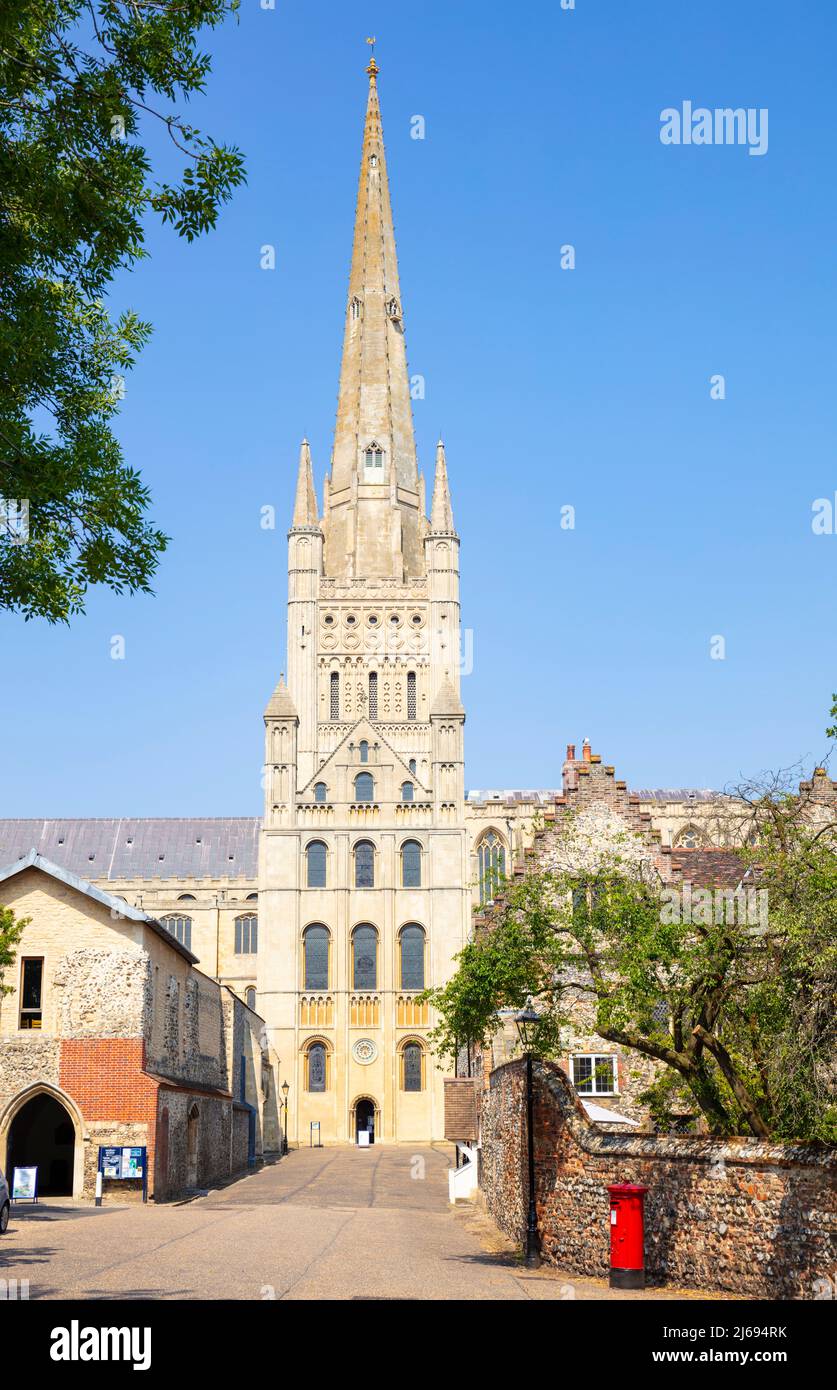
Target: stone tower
[(364, 893)]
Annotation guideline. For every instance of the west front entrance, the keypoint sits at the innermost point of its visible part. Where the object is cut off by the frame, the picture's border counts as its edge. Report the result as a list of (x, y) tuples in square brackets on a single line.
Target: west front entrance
[(365, 1113)]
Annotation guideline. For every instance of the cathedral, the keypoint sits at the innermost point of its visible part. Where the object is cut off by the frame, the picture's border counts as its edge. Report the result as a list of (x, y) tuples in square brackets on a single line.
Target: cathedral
[(328, 916)]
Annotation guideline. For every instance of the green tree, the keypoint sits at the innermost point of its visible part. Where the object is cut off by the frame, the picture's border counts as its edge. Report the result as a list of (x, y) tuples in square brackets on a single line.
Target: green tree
[(736, 1004), (77, 79), (10, 934)]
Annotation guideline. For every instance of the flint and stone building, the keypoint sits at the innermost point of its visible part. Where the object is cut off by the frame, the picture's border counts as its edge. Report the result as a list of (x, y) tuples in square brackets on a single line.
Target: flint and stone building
[(354, 891)]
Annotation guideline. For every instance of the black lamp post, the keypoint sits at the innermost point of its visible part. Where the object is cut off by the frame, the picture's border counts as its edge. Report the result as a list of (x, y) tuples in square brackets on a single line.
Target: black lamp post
[(528, 1022), (285, 1089)]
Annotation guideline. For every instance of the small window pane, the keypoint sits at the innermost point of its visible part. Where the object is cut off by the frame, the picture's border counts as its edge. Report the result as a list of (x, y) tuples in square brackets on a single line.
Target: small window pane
[(316, 1067), (412, 958), (411, 864), (406, 791), (316, 958), (364, 751), (320, 791), (365, 958), (316, 855), (364, 865), (412, 1067), (364, 787)]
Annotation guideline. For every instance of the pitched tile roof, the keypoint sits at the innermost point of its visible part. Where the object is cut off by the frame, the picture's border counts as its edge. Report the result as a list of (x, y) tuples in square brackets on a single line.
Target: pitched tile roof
[(709, 868), (122, 848), (118, 907)]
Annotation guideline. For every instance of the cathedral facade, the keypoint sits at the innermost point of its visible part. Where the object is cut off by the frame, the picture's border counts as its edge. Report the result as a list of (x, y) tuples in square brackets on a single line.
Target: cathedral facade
[(363, 864)]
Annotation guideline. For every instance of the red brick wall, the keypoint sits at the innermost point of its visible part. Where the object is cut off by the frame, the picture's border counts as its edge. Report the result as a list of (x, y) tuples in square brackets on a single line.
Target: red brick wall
[(104, 1076)]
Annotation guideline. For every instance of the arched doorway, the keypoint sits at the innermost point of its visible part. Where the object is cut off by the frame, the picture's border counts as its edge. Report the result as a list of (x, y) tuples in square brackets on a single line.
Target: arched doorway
[(365, 1118), (42, 1135), (192, 1128)]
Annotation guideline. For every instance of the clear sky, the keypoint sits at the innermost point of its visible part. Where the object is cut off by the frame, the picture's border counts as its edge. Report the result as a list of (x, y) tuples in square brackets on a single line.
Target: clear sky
[(588, 388)]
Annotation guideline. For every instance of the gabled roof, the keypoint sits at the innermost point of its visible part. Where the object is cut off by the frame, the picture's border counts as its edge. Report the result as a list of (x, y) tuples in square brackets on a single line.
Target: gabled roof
[(118, 906), (364, 728)]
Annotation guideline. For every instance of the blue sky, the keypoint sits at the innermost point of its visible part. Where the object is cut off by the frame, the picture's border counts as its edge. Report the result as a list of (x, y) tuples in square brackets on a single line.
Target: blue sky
[(588, 388)]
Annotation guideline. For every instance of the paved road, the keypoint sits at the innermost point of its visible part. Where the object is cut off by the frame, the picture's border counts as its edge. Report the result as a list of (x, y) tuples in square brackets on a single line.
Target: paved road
[(339, 1223)]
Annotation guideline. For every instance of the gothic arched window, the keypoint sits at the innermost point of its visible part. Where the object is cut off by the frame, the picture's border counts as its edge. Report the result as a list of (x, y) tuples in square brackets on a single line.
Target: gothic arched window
[(315, 945), (407, 791), (316, 1067), (320, 791), (364, 864), (373, 694), (412, 1066), (412, 956), (316, 857), (364, 751), (364, 787), (364, 958), (250, 998), (180, 928), (491, 861), (246, 934), (335, 695), (411, 864), (689, 838), (411, 694)]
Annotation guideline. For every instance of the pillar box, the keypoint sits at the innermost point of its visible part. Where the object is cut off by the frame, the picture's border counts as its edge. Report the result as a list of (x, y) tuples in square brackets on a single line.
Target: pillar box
[(627, 1236)]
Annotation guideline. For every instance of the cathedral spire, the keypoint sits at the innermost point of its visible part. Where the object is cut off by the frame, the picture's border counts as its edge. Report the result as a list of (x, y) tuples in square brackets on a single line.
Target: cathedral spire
[(373, 522), (305, 505), (441, 512)]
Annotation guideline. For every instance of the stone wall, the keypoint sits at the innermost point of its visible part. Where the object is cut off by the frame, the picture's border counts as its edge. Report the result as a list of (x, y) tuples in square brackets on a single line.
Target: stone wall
[(751, 1218)]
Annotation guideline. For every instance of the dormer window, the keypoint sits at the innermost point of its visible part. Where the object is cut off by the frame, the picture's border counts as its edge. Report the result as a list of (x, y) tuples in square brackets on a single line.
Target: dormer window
[(373, 464)]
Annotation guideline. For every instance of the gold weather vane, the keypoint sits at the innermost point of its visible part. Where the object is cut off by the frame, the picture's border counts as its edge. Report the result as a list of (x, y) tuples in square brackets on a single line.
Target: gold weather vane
[(373, 66)]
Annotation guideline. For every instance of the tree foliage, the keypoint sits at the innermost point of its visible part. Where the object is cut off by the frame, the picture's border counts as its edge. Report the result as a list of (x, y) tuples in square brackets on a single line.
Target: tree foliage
[(77, 78), (10, 933), (736, 1005)]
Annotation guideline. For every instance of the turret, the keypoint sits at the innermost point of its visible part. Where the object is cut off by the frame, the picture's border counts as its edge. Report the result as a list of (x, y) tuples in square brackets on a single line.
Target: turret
[(441, 549), (305, 565), (280, 756)]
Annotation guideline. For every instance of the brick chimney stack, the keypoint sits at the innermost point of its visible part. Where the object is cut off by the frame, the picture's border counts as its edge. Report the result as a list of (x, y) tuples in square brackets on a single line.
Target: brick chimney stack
[(586, 751)]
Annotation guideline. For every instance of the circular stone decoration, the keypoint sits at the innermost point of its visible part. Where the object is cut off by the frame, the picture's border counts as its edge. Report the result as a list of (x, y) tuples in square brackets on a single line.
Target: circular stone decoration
[(364, 1051)]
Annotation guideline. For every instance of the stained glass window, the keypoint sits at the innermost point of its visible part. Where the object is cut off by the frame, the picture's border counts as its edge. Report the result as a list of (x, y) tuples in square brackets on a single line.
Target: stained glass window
[(315, 944), (364, 865), (180, 928), (364, 787), (246, 934), (412, 957), (316, 856), (364, 958), (317, 1067), (411, 864), (412, 1067), (491, 860)]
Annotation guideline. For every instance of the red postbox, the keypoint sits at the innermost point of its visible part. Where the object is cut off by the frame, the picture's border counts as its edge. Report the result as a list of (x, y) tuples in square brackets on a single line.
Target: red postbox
[(627, 1236)]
